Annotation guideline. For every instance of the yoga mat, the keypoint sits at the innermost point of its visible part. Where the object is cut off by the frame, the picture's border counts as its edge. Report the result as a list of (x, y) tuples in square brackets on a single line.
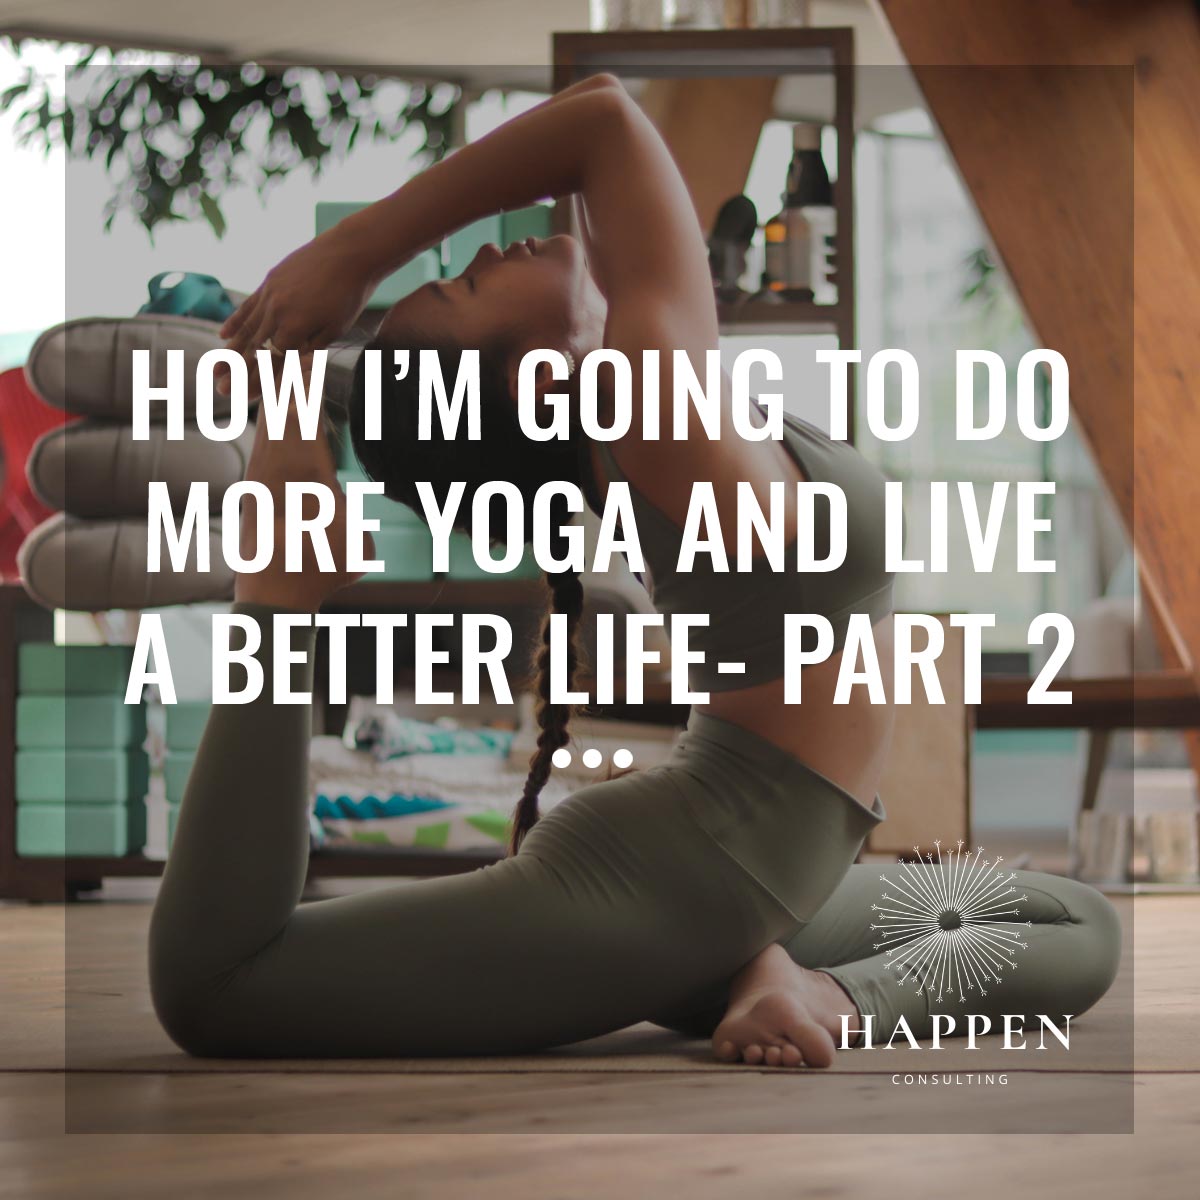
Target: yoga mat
[(113, 1027)]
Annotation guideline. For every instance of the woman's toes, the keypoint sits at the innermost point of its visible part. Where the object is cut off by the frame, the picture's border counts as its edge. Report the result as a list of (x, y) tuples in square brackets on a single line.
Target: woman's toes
[(791, 1056), (774, 1056), (727, 1052), (752, 1054), (815, 1045)]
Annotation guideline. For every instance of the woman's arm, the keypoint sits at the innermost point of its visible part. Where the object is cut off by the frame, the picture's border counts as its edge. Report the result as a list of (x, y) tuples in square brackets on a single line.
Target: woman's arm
[(591, 140), (594, 143)]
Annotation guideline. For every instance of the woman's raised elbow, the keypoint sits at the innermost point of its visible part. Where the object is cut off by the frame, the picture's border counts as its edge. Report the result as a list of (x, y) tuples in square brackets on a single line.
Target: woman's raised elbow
[(607, 81), (616, 119), (610, 97)]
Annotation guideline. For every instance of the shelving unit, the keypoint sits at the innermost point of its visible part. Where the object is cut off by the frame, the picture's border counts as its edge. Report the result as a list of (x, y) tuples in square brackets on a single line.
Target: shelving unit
[(62, 878), (740, 53), (52, 879)]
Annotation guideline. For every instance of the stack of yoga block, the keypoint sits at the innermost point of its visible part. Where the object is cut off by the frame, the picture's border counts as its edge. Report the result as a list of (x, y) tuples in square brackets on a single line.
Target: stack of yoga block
[(81, 769), (185, 723)]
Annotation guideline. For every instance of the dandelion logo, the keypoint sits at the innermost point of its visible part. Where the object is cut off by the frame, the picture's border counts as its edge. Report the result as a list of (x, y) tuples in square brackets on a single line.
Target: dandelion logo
[(950, 922)]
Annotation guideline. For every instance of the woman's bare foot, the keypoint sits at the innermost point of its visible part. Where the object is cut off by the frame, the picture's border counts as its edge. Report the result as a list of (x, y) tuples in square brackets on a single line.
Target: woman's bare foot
[(782, 1015), (275, 464)]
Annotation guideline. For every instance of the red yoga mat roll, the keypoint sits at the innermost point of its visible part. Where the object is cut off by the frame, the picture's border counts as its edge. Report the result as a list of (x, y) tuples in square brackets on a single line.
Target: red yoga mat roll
[(23, 419)]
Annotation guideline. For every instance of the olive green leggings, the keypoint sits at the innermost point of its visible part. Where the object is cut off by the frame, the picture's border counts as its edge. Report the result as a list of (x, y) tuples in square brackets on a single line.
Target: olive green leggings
[(636, 899)]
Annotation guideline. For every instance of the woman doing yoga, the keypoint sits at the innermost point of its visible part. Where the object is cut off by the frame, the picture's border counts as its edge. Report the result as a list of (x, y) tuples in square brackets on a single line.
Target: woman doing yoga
[(715, 893)]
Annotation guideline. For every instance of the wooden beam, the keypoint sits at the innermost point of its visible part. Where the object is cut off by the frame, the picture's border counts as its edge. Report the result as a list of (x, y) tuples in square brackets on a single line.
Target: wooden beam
[(1070, 168), (712, 127)]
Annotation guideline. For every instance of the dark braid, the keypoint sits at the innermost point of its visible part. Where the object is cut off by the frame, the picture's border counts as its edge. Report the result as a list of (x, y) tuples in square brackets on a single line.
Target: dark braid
[(566, 590)]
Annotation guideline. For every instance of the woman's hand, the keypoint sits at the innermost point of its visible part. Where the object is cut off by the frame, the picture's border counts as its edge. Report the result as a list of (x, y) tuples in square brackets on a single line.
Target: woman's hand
[(308, 300)]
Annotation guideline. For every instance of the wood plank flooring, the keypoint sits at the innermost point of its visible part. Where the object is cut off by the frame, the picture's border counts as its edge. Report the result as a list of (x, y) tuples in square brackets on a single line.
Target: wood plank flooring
[(576, 1130)]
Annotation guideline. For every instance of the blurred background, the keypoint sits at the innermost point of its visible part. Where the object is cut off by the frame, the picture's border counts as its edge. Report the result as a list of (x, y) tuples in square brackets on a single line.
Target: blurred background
[(86, 234)]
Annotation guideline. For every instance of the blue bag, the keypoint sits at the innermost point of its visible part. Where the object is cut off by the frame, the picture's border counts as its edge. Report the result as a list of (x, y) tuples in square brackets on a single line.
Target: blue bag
[(186, 294)]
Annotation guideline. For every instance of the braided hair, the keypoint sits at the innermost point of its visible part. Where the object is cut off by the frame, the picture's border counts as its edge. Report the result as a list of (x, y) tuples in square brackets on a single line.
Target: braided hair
[(566, 596), (398, 460)]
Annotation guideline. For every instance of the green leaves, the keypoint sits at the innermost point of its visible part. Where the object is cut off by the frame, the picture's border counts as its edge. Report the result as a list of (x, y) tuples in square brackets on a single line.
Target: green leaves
[(176, 138), (212, 214), (982, 279)]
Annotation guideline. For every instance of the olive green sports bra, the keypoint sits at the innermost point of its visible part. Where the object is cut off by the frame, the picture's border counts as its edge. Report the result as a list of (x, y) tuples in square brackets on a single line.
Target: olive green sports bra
[(746, 609)]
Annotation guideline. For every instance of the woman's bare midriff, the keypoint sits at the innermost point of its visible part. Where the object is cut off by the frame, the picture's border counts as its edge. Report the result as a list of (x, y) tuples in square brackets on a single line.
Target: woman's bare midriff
[(847, 743)]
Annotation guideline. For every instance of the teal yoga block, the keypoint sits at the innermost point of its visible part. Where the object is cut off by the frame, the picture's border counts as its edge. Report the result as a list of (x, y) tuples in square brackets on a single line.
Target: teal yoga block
[(81, 776), (57, 830), (352, 472), (463, 565), (79, 723), (176, 770), (45, 669), (426, 267), (521, 223), (185, 723), (406, 552), (462, 246), (389, 513)]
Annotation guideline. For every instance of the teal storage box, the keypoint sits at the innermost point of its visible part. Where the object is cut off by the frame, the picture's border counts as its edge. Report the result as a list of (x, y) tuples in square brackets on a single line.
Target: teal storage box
[(176, 770), (462, 246), (81, 776), (44, 669), (185, 723), (103, 830), (79, 723), (463, 565), (522, 223), (406, 552), (426, 267)]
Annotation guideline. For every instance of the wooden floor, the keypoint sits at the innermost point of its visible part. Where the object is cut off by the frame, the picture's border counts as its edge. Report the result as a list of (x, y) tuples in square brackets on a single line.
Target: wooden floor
[(582, 1127)]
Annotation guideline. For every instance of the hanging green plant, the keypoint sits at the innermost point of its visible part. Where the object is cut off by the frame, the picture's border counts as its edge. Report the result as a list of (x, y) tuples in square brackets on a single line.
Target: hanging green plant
[(983, 280), (176, 138)]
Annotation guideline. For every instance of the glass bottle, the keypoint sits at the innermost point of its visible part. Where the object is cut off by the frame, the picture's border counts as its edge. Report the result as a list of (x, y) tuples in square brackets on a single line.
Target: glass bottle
[(799, 237), (613, 15)]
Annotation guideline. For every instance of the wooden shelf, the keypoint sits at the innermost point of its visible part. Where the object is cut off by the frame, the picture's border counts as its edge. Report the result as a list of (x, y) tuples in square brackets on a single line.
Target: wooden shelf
[(788, 316), (676, 53), (56, 879), (1157, 700)]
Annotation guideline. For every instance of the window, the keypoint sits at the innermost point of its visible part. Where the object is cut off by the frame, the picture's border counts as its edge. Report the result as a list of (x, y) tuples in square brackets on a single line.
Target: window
[(926, 284)]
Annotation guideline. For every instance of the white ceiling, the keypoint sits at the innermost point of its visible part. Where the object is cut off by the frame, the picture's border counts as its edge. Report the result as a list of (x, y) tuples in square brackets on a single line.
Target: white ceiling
[(392, 32), (475, 41)]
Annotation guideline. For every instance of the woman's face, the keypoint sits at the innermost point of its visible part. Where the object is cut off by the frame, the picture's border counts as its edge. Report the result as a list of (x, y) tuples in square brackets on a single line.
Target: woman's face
[(536, 294)]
